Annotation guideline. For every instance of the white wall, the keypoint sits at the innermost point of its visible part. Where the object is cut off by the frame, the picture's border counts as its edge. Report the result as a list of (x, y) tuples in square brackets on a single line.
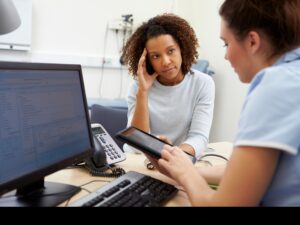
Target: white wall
[(230, 92), (73, 31)]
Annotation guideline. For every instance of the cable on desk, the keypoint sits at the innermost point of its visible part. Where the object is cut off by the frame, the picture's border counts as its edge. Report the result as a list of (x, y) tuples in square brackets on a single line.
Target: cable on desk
[(84, 189), (213, 155), (94, 181), (111, 172), (68, 201)]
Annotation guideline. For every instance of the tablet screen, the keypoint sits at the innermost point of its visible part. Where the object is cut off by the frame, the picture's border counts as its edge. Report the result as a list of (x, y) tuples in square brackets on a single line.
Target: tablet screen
[(144, 141)]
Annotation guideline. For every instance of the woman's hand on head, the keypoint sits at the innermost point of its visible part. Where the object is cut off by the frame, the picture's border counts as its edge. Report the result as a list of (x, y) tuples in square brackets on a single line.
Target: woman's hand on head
[(144, 78)]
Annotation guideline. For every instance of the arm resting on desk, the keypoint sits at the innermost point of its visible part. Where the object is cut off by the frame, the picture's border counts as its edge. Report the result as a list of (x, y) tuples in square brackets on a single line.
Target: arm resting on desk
[(212, 174)]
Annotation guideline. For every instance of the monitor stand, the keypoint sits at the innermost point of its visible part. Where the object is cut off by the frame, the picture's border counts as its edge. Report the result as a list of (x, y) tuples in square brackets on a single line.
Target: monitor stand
[(51, 194)]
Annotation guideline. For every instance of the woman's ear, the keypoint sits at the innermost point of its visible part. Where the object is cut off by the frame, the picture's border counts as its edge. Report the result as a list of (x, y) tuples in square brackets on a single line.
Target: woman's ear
[(254, 42)]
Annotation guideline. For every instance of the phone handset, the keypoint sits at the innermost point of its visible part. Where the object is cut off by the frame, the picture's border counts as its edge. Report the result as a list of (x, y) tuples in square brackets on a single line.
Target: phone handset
[(106, 153), (149, 67)]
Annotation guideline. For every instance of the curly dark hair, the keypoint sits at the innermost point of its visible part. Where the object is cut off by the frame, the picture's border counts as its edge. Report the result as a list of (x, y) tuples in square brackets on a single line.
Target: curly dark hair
[(163, 24)]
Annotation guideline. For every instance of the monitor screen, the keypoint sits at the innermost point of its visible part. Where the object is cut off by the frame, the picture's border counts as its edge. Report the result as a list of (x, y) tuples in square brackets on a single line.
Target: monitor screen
[(44, 128)]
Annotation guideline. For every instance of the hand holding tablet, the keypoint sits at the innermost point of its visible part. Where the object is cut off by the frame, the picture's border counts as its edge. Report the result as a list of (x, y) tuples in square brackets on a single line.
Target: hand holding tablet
[(145, 142)]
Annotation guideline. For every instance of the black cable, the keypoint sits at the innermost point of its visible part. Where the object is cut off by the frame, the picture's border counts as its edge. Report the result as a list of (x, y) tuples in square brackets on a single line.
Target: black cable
[(88, 191), (213, 155), (114, 172), (100, 172), (94, 181), (84, 189)]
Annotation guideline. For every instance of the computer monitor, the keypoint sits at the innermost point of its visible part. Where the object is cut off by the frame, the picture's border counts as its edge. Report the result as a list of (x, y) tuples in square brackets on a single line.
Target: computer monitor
[(44, 128)]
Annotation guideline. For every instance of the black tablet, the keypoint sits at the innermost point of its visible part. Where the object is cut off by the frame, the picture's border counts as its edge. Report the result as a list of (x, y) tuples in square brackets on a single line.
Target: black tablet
[(145, 142)]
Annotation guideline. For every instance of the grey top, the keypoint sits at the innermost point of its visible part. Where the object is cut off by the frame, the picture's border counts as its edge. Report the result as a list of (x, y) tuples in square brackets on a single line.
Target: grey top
[(183, 112)]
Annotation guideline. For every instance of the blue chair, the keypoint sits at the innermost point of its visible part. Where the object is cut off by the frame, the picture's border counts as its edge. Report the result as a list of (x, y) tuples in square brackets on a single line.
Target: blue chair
[(114, 103), (203, 66)]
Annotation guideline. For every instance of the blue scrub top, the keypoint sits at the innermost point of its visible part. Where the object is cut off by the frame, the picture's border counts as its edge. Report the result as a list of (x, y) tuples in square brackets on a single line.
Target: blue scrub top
[(271, 118)]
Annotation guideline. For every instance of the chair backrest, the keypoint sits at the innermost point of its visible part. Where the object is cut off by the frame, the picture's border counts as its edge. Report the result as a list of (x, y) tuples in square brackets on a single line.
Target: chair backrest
[(119, 103), (203, 66), (112, 119)]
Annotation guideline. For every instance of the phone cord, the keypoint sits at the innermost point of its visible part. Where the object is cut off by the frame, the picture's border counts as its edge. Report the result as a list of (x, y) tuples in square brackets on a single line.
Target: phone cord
[(115, 172)]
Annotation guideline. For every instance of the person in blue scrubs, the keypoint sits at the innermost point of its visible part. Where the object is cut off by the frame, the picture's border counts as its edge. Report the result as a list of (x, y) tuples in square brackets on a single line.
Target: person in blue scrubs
[(262, 40)]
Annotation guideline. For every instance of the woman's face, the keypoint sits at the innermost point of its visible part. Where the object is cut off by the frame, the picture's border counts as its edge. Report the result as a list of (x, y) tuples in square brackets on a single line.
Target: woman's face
[(237, 54), (165, 56)]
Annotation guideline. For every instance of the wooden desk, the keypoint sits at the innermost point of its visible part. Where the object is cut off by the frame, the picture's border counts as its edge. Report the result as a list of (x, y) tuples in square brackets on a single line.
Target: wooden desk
[(133, 162)]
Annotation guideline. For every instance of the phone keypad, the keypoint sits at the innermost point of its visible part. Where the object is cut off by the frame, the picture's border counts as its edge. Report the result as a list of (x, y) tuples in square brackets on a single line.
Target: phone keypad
[(111, 152), (113, 155)]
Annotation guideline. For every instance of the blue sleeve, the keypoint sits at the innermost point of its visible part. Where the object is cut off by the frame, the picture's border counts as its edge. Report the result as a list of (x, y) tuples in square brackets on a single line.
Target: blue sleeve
[(270, 117)]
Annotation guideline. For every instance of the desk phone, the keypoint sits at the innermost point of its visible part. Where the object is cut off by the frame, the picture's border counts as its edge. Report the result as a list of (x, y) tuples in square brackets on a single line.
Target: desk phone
[(113, 153)]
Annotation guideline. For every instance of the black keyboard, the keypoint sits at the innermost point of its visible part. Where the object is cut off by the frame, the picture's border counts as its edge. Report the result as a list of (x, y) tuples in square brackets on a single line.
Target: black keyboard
[(130, 190)]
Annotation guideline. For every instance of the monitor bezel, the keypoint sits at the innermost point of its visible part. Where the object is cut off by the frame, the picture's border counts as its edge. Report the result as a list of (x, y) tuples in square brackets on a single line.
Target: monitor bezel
[(34, 176)]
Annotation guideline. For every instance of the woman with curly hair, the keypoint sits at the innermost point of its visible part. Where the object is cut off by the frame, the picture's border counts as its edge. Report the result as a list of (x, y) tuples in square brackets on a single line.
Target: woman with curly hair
[(167, 97)]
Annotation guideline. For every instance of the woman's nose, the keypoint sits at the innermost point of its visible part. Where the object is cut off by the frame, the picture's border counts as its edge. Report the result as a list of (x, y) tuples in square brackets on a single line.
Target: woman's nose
[(166, 60)]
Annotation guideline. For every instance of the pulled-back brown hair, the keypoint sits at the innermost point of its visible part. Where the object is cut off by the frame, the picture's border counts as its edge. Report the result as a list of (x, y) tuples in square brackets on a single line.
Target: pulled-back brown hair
[(279, 20), (169, 24)]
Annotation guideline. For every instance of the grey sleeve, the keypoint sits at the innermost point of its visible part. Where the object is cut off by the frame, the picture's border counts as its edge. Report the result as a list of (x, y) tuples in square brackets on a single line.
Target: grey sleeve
[(131, 101), (198, 134)]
